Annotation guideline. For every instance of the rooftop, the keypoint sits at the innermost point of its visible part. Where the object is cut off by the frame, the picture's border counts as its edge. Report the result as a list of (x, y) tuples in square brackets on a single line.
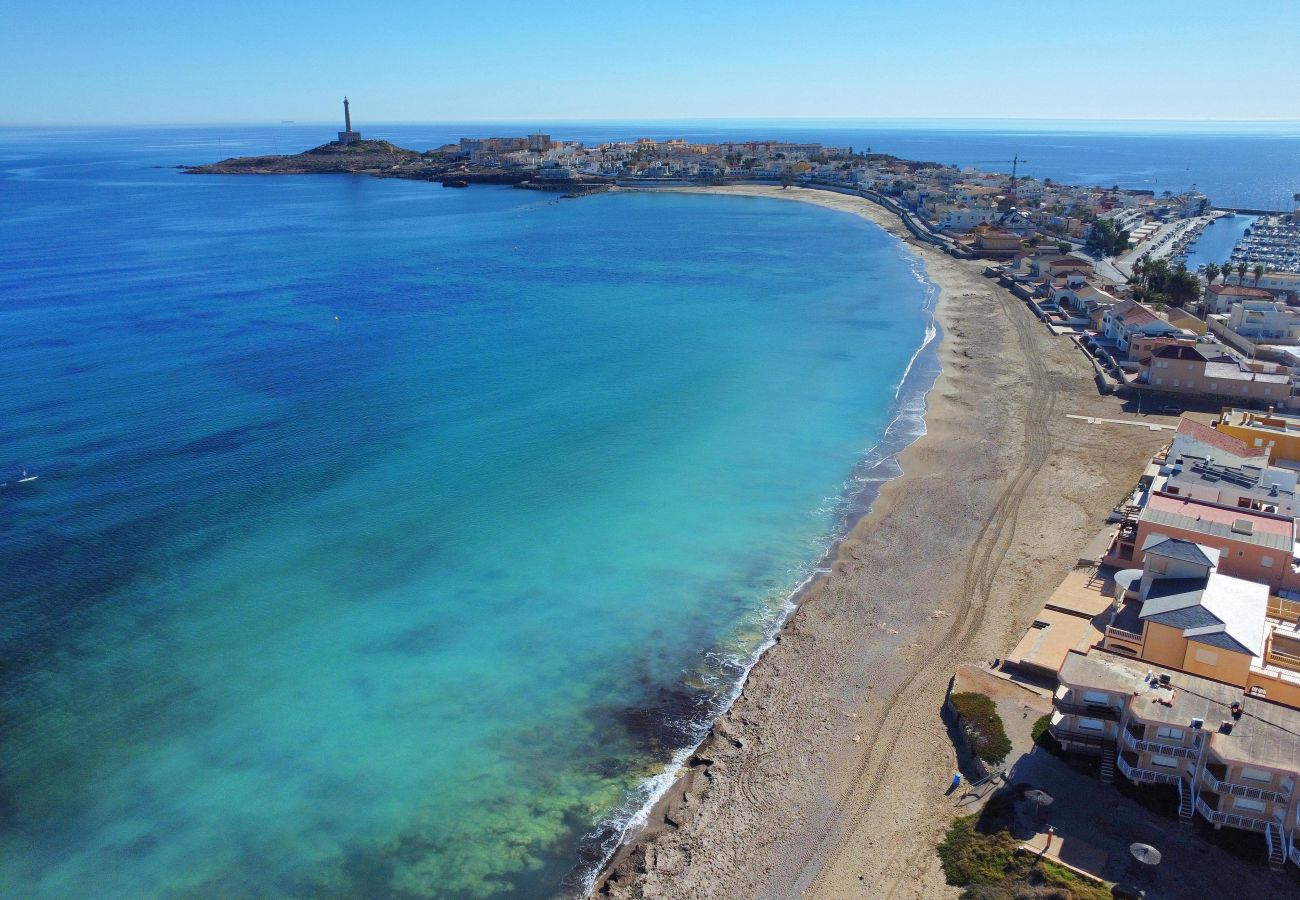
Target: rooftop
[(1233, 523), (1178, 351), (1230, 371), (1266, 734), (1176, 548), (1272, 421), (1237, 290), (1192, 470), (1219, 610), (1218, 439)]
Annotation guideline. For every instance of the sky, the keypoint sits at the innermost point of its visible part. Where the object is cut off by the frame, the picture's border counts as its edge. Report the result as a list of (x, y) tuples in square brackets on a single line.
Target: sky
[(107, 61)]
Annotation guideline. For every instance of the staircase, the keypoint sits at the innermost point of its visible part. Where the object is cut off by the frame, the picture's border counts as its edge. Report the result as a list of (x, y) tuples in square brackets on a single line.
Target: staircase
[(1108, 763), (1276, 847), (1185, 802)]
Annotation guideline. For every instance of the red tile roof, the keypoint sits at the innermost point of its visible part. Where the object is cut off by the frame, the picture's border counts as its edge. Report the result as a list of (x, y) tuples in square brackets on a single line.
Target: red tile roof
[(1217, 439), (1237, 290)]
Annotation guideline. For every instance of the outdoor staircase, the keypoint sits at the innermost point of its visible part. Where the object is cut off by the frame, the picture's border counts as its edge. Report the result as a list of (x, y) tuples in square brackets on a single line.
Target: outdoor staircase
[(1186, 803), (1276, 847), (1108, 763)]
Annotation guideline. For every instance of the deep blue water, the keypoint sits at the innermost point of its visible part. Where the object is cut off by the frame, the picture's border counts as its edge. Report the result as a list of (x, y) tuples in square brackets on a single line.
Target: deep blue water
[(391, 540)]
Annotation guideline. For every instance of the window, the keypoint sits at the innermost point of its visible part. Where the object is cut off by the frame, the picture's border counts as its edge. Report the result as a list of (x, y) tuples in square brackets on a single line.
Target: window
[(1167, 762), (1092, 724), (1257, 775), (1266, 561), (1097, 698), (1207, 657), (1251, 805), (1166, 731), (1259, 442)]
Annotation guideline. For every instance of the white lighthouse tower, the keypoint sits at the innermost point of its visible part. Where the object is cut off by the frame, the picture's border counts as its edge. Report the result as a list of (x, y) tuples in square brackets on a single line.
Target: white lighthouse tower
[(348, 136)]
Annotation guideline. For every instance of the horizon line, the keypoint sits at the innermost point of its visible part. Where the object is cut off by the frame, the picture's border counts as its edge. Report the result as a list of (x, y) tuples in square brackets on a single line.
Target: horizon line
[(646, 119)]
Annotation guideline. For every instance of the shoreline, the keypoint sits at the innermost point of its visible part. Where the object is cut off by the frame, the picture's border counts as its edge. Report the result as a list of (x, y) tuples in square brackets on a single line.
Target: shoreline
[(796, 788), (652, 816)]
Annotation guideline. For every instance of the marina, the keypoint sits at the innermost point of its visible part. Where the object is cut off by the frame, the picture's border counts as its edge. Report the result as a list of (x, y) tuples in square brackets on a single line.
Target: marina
[(1272, 242)]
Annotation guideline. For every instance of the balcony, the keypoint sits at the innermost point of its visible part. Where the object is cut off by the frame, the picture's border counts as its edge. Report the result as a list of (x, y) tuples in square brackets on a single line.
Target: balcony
[(1143, 776), (1073, 736), (1282, 660), (1145, 746), (1088, 710), (1241, 790), (1122, 634), (1232, 820)]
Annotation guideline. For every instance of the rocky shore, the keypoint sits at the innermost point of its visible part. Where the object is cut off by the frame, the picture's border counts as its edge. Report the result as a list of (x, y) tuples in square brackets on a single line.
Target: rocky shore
[(382, 159)]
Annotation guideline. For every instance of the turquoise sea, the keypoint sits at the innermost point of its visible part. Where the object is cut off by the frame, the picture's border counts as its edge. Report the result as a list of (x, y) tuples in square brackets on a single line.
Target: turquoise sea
[(391, 541)]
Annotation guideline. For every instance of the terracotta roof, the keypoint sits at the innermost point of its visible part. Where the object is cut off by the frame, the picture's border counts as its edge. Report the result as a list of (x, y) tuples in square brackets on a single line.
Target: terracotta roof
[(1138, 315), (1237, 290), (1218, 439)]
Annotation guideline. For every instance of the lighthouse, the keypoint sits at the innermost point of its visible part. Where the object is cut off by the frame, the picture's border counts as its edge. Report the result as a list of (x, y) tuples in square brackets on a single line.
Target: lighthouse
[(348, 136)]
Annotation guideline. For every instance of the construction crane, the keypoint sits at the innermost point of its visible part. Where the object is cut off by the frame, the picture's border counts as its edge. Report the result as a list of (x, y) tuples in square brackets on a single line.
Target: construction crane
[(1015, 163)]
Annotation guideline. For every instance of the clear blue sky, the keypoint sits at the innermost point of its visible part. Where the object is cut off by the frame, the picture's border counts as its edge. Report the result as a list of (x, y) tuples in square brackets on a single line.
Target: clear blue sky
[(240, 61)]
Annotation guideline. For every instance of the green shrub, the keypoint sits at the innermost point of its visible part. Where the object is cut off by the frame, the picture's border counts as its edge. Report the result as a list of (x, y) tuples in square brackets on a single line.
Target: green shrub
[(1039, 731), (969, 857), (977, 716)]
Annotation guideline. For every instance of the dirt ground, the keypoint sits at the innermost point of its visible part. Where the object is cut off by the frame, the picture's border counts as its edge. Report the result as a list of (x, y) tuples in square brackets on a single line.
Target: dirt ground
[(827, 778)]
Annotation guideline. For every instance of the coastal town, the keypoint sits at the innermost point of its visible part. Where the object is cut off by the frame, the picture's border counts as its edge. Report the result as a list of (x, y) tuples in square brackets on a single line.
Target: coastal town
[(1167, 662)]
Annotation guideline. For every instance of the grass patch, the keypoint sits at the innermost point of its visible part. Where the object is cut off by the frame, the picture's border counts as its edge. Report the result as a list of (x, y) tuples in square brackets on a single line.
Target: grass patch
[(977, 716), (990, 867)]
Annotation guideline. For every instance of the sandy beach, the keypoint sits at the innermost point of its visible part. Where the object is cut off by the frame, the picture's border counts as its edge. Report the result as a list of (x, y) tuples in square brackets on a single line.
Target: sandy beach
[(826, 779)]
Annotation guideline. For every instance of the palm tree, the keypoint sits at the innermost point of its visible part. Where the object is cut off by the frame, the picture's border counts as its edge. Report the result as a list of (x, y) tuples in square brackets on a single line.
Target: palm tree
[(1226, 270), (1211, 273), (1258, 272), (1241, 273)]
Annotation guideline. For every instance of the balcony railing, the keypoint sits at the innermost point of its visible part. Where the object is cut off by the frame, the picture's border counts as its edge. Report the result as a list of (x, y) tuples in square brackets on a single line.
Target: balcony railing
[(1123, 634), (1135, 774), (1241, 790), (1283, 660), (1079, 737), (1249, 823), (1088, 710), (1145, 746), (1295, 848)]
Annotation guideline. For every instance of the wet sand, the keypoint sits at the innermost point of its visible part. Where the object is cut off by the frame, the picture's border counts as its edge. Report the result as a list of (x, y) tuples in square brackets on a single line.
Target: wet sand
[(827, 777)]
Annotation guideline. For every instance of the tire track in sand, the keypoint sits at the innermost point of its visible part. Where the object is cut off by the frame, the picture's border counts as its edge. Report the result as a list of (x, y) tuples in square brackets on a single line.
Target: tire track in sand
[(986, 556)]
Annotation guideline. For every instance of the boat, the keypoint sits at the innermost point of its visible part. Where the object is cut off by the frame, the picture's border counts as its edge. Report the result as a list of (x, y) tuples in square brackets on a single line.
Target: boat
[(22, 479), (455, 183)]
